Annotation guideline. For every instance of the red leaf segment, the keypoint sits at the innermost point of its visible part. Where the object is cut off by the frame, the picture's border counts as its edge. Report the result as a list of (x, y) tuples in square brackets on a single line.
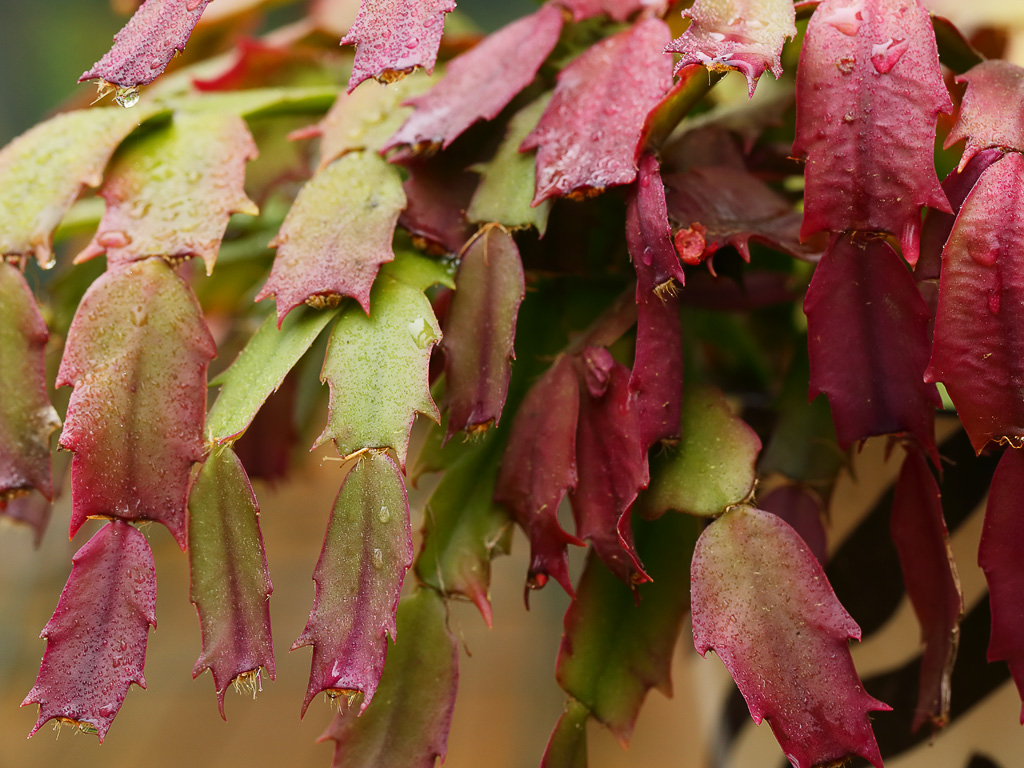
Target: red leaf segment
[(868, 90), (991, 112), (762, 603), (96, 638)]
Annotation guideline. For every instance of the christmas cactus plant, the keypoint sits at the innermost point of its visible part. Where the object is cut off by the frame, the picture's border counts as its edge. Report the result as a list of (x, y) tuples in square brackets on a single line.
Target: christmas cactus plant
[(567, 261)]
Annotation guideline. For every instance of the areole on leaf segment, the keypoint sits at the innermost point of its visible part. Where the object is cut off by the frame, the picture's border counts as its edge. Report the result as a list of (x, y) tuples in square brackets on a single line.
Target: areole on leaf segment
[(367, 550), (761, 601), (136, 355), (96, 638), (869, 88)]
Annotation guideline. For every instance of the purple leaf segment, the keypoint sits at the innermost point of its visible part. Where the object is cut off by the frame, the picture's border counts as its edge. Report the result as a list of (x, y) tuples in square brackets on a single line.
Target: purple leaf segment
[(479, 331), (136, 354), (867, 338), (438, 193), (407, 725), (745, 35), (96, 639), (366, 552), (147, 43), (919, 532), (612, 464), (761, 601), (1000, 555), (480, 83), (26, 417), (868, 90), (992, 112), (336, 235), (580, 148), (978, 349), (230, 581), (393, 37), (539, 466)]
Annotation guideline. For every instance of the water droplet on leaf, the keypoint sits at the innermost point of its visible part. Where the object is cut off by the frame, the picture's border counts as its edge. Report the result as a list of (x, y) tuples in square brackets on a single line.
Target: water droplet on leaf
[(378, 559), (127, 97)]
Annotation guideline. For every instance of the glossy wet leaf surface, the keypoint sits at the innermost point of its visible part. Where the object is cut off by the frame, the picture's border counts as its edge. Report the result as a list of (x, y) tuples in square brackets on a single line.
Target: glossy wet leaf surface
[(873, 377), (977, 346), (479, 84), (377, 368), (713, 465), (337, 234), (407, 725), (230, 583), (43, 170), (762, 603), (393, 37), (96, 638), (26, 417), (136, 354), (259, 370), (171, 193), (480, 330), (367, 550), (145, 46), (579, 148), (868, 92), (745, 35)]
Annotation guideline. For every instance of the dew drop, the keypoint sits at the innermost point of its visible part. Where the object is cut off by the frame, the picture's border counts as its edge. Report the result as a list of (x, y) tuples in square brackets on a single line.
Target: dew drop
[(994, 302), (846, 20), (384, 514), (885, 55), (139, 318), (127, 97), (421, 332), (412, 42), (378, 559), (191, 5)]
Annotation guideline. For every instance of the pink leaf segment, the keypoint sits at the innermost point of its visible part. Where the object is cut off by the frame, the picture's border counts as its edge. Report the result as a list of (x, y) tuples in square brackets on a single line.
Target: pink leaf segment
[(802, 510), (178, 207), (394, 37), (539, 467), (96, 639), (480, 330), (977, 348), (136, 354), (746, 35), (648, 233), (1000, 555), (336, 235), (230, 583), (919, 532), (26, 417), (480, 83), (868, 91), (867, 337), (618, 10), (992, 112), (761, 601), (148, 42), (612, 464), (580, 148), (367, 550)]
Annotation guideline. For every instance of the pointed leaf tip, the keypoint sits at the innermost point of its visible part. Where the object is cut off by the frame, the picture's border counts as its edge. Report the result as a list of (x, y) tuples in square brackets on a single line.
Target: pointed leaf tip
[(230, 583), (96, 638), (745, 35), (762, 603), (367, 550), (145, 45), (579, 149), (394, 37)]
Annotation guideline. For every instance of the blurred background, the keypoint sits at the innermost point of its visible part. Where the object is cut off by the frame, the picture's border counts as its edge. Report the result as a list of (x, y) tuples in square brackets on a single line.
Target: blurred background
[(508, 699)]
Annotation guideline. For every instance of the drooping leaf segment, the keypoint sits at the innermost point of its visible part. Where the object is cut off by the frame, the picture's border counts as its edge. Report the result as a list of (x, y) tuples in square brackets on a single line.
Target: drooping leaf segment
[(516, 256)]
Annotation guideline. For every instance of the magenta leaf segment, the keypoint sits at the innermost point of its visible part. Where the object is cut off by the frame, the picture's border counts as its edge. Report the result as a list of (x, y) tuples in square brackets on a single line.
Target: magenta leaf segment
[(96, 639)]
